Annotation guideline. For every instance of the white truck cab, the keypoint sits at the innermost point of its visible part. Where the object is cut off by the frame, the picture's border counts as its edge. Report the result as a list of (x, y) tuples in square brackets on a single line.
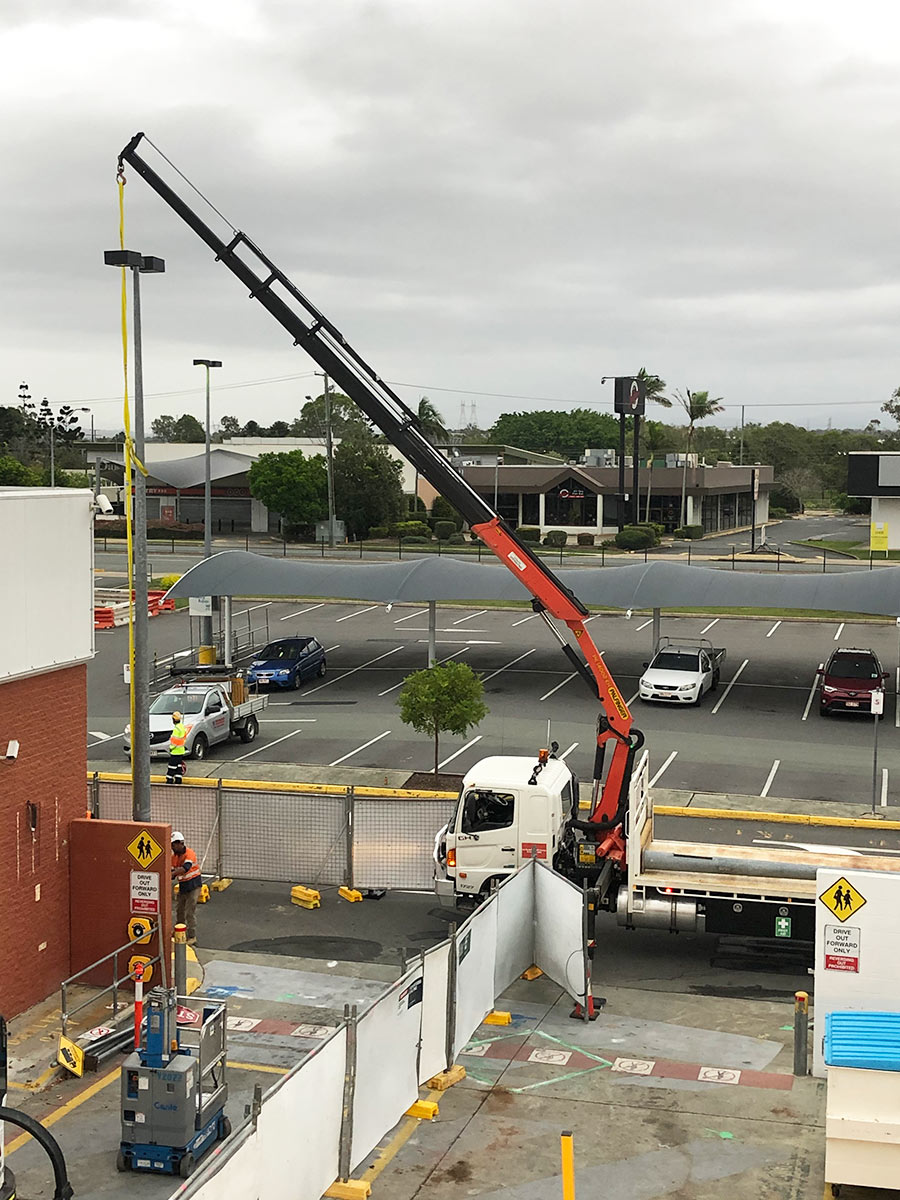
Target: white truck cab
[(509, 810)]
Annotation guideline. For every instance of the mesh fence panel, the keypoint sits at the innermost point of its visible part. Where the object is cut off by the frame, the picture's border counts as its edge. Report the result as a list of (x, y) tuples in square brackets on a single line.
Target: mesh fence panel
[(393, 841), (190, 810), (284, 836)]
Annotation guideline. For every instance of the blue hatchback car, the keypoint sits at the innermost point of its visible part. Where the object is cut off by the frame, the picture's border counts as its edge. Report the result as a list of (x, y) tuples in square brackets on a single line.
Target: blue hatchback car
[(287, 663)]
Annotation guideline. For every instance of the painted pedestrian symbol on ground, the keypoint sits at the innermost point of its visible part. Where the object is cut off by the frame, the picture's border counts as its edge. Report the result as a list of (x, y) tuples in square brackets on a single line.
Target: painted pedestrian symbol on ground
[(144, 849), (842, 899)]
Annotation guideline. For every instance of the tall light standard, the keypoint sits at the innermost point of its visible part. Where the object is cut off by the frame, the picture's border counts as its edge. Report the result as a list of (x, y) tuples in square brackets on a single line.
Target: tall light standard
[(206, 623), (91, 411), (329, 456), (139, 264)]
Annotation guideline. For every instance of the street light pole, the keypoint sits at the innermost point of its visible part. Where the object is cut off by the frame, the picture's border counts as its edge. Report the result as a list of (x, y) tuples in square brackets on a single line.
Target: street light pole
[(206, 623), (329, 457), (140, 667)]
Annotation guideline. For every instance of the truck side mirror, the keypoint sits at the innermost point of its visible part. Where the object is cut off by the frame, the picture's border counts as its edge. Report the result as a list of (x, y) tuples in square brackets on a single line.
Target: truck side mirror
[(820, 670), (646, 665)]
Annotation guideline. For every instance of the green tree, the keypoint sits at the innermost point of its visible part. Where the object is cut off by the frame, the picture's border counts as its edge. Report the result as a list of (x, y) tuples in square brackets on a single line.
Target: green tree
[(230, 427), (654, 388), (446, 698), (892, 406), (293, 485), (177, 429), (13, 425), (430, 421), (367, 486), (279, 429), (566, 433), (697, 407), (347, 421), (16, 474)]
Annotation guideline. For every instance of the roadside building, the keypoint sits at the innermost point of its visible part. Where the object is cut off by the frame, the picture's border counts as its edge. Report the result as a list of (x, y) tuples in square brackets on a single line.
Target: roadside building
[(875, 475), (46, 641), (584, 499)]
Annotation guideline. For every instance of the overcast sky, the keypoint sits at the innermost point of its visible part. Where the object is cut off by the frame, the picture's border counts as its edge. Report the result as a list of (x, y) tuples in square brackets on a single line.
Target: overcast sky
[(486, 196)]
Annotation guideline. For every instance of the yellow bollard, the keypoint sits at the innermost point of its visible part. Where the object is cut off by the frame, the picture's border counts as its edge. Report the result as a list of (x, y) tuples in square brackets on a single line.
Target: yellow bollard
[(567, 1148)]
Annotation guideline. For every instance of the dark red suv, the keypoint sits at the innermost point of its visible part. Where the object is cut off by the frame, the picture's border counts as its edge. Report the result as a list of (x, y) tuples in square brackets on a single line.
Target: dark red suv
[(848, 680)]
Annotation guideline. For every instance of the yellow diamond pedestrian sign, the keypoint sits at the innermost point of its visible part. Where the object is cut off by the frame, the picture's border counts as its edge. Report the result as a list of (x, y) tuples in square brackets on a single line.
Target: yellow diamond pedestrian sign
[(842, 899), (144, 849)]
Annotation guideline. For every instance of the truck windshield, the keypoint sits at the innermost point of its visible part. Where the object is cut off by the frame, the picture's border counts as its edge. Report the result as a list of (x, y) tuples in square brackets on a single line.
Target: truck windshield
[(183, 702), (484, 810), (677, 660)]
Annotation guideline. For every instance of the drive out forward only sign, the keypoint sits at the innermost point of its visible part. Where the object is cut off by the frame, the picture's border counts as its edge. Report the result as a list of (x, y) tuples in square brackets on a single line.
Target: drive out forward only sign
[(145, 893), (842, 948)]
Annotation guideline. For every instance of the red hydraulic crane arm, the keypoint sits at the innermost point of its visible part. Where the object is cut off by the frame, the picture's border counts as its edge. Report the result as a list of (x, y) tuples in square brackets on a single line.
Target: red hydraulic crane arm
[(314, 333)]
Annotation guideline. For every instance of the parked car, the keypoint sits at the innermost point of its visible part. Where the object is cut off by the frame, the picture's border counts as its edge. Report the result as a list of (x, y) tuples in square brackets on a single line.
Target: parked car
[(287, 662), (211, 712), (848, 680), (681, 670)]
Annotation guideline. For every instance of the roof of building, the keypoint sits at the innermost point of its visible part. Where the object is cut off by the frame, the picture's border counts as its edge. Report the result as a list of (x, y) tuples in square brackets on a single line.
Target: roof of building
[(664, 585), (191, 471)]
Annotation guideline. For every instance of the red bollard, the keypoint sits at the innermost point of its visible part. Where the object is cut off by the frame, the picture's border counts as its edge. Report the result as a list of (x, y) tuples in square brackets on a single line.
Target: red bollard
[(138, 1003)]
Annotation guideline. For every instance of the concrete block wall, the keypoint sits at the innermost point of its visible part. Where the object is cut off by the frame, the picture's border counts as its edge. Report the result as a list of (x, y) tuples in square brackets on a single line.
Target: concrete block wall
[(47, 714)]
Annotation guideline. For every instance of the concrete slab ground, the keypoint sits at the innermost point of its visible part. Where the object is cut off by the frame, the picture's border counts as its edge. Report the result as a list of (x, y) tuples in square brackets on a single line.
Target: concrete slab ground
[(669, 1093)]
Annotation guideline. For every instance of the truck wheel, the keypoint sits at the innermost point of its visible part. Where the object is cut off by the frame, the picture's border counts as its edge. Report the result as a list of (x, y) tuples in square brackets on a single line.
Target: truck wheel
[(200, 747), (224, 1129), (186, 1165), (321, 670), (250, 730), (122, 1163), (823, 711)]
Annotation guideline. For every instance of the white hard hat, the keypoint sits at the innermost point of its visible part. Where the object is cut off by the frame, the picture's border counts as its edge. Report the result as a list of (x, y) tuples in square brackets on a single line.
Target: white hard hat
[(177, 837)]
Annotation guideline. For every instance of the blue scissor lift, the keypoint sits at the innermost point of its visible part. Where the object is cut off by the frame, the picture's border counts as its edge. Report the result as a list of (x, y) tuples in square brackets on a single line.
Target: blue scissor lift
[(173, 1088)]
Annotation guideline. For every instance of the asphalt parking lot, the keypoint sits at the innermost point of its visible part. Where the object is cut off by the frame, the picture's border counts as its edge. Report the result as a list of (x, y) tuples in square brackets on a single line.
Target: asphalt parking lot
[(759, 734)]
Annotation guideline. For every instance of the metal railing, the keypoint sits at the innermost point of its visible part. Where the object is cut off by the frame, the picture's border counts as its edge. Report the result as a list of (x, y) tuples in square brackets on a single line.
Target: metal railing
[(67, 1013)]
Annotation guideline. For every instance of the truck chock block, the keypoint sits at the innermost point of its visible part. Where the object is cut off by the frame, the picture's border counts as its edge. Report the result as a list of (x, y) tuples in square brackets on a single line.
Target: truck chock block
[(425, 1110), (446, 1079), (349, 1189), (219, 885), (532, 973), (306, 897), (203, 898), (498, 1018), (350, 894)]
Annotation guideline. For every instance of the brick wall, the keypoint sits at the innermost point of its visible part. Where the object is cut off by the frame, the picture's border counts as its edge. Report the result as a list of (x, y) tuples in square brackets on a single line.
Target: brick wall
[(47, 715)]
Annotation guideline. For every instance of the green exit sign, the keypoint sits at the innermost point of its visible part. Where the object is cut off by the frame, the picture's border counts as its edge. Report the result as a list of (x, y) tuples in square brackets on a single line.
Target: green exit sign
[(783, 927)]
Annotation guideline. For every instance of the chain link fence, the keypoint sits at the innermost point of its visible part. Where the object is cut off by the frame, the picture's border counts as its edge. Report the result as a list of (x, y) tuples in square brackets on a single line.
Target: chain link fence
[(289, 834)]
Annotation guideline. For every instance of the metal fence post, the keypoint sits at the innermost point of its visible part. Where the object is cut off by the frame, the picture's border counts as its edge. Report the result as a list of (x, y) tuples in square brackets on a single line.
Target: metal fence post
[(95, 795), (602, 556), (349, 1094), (732, 558), (689, 553), (220, 833), (801, 1032), (824, 555), (450, 1031), (349, 803)]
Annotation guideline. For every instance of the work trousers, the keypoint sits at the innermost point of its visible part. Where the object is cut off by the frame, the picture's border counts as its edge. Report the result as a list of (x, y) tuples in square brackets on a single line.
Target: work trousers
[(174, 768), (186, 911)]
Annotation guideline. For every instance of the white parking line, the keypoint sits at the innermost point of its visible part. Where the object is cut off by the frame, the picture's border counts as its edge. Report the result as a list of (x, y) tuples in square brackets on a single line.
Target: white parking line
[(243, 612), (101, 737), (409, 616), (425, 629), (840, 630), (459, 751), (301, 611), (559, 685), (644, 626), (524, 619), (480, 613), (461, 650), (666, 764), (287, 720), (772, 630), (485, 678), (734, 680), (328, 649), (633, 698), (357, 614), (771, 776), (809, 699), (370, 742), (566, 753), (353, 671), (710, 625), (268, 745), (884, 787)]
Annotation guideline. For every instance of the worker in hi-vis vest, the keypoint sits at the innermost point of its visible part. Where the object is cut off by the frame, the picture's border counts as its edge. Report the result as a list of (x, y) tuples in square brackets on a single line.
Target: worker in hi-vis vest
[(177, 747), (186, 874)]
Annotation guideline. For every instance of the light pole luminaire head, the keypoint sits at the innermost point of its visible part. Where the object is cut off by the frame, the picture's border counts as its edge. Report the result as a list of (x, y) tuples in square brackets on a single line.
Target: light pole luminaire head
[(207, 362)]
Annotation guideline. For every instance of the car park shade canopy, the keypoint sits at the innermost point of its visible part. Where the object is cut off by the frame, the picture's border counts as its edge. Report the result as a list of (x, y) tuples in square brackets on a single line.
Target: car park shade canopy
[(664, 585)]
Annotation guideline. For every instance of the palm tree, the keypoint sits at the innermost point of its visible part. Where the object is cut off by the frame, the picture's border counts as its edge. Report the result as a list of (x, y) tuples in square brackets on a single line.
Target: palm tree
[(697, 407), (654, 387), (431, 425), (656, 437)]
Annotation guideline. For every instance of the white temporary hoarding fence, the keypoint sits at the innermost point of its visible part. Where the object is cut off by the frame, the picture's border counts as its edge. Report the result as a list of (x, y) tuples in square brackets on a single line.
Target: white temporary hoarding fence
[(857, 965), (323, 1119)]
